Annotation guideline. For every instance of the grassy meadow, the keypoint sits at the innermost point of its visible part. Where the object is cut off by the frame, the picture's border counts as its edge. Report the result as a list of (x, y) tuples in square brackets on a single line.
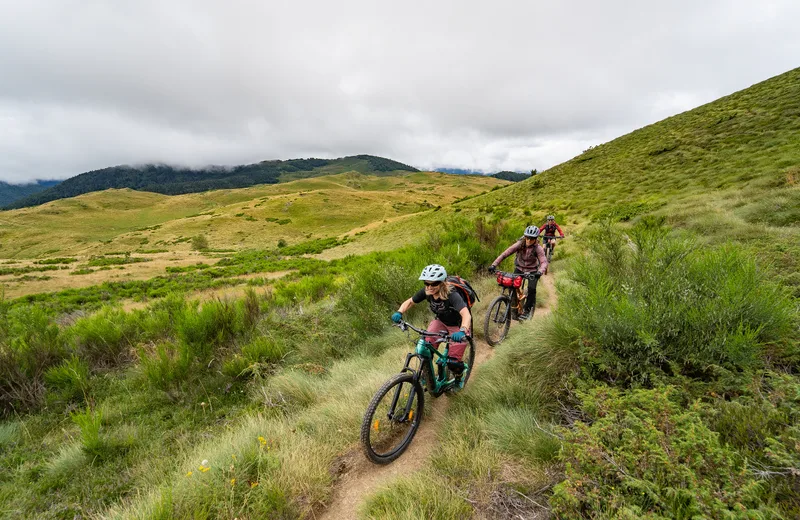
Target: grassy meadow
[(663, 385)]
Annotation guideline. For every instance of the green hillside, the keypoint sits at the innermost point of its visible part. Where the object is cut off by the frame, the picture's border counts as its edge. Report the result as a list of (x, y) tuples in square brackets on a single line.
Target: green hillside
[(658, 378), (170, 180), (728, 170)]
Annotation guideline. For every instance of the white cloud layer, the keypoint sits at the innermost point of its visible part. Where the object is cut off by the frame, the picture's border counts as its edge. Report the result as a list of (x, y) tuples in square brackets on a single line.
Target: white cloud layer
[(481, 85)]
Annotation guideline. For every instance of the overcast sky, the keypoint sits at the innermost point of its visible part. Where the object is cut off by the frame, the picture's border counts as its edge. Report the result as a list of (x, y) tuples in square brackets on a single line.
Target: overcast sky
[(487, 85)]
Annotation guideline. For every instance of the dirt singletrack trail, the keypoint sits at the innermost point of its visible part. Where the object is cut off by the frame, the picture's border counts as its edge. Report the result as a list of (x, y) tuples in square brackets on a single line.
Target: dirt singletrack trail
[(359, 477)]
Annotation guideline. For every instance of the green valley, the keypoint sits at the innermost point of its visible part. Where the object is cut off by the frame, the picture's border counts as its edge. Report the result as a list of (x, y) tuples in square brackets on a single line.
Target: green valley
[(659, 379)]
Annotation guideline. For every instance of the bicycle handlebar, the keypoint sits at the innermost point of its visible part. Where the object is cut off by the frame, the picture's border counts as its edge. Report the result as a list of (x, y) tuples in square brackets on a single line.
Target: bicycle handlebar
[(527, 276), (404, 325)]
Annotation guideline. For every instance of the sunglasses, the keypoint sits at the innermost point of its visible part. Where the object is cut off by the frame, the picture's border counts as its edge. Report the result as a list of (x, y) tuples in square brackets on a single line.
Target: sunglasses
[(432, 284)]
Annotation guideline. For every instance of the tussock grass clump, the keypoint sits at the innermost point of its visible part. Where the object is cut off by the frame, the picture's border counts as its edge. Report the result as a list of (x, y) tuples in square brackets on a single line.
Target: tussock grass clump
[(69, 380), (422, 497), (9, 433), (646, 304)]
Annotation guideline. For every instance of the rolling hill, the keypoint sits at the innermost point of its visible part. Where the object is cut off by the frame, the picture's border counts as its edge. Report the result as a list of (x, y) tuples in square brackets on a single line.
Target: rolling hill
[(171, 180)]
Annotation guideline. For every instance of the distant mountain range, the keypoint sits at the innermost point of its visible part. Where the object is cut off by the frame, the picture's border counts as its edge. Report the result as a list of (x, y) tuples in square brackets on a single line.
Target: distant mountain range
[(505, 175), (12, 192), (171, 180)]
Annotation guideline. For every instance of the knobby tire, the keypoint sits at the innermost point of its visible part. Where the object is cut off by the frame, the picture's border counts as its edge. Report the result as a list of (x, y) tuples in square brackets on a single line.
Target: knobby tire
[(370, 434), (499, 314)]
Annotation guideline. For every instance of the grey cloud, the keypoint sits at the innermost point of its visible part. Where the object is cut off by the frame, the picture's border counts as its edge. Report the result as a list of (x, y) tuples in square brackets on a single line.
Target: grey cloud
[(500, 85)]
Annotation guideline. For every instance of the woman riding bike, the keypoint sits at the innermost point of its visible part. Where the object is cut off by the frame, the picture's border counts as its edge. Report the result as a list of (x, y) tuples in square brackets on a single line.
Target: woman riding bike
[(451, 311), (530, 259), (549, 232)]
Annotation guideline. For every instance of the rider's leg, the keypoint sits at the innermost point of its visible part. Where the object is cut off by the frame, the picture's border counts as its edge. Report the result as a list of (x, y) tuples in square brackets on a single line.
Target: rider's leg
[(456, 349), (530, 299)]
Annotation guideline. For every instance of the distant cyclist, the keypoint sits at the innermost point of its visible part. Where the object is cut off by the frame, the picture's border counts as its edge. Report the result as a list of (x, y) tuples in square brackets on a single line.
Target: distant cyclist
[(550, 228), (549, 232), (451, 312), (530, 259)]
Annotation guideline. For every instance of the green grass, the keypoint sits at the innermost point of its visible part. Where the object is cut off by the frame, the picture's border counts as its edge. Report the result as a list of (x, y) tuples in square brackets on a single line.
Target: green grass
[(685, 336)]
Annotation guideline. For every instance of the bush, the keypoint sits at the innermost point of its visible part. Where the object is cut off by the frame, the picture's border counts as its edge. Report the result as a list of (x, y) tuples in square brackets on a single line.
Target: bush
[(30, 343), (167, 365), (214, 325), (199, 243), (644, 455), (652, 305), (105, 339)]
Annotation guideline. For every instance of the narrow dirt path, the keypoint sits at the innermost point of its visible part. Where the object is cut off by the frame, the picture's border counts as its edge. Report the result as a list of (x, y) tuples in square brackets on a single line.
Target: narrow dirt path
[(358, 477)]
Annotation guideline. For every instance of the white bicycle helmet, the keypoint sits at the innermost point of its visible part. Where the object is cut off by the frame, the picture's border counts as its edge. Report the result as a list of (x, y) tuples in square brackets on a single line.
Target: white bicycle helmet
[(531, 232), (433, 273), (551, 217)]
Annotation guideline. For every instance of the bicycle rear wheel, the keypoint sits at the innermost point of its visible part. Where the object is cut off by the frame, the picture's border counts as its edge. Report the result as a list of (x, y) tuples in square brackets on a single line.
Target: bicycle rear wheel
[(497, 320), (392, 418)]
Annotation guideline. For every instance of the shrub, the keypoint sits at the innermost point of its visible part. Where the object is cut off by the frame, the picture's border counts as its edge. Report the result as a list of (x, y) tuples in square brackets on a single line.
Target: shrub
[(644, 455), (105, 338), (166, 366), (199, 243), (215, 324), (654, 305), (30, 343)]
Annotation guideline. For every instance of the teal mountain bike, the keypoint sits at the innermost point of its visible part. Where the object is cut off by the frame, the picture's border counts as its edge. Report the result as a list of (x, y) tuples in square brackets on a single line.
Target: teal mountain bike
[(395, 412)]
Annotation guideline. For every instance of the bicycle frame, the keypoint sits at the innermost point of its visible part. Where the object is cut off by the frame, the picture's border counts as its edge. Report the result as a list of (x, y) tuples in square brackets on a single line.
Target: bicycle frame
[(517, 296), (429, 359)]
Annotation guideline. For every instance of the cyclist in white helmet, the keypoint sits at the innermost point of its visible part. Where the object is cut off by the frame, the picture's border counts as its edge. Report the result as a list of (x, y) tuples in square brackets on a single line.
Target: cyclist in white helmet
[(450, 310), (529, 258)]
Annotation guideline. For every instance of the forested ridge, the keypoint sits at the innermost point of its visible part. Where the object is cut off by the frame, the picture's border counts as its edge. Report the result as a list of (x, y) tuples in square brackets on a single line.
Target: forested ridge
[(173, 180)]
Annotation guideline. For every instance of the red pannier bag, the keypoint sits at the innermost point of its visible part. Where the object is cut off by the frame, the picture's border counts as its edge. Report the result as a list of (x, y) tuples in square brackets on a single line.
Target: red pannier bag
[(509, 280)]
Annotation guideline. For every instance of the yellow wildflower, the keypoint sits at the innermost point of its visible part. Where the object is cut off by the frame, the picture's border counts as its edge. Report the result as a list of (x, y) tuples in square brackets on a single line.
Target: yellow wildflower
[(262, 440), (204, 468), (233, 482), (253, 484), (189, 474)]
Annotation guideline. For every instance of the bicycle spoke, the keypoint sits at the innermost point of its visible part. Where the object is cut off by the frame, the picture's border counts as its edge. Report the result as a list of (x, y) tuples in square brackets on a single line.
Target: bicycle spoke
[(392, 419)]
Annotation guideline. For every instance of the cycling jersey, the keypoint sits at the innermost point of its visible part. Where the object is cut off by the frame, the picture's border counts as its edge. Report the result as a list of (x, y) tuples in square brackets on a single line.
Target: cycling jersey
[(549, 230), (528, 259), (447, 311)]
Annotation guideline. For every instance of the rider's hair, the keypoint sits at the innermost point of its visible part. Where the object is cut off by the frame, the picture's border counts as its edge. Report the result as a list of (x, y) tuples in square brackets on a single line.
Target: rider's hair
[(443, 292)]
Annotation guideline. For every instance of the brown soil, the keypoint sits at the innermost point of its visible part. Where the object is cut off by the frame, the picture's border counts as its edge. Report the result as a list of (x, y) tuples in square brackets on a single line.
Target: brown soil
[(358, 477)]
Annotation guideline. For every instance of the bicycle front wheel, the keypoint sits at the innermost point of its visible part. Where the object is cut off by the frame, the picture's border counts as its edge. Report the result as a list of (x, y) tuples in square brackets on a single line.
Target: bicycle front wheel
[(392, 418), (498, 320)]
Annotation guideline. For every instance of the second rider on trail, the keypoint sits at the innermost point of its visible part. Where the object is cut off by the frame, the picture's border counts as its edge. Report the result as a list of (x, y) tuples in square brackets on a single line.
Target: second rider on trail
[(451, 311), (530, 258)]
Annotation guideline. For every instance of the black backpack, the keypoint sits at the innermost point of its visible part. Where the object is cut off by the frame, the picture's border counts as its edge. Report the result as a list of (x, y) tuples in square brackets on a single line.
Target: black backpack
[(466, 290)]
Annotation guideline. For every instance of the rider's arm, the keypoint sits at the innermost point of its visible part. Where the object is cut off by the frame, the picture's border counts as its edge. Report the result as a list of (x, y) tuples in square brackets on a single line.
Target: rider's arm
[(542, 258), (466, 319), (559, 231), (505, 254), (406, 305)]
